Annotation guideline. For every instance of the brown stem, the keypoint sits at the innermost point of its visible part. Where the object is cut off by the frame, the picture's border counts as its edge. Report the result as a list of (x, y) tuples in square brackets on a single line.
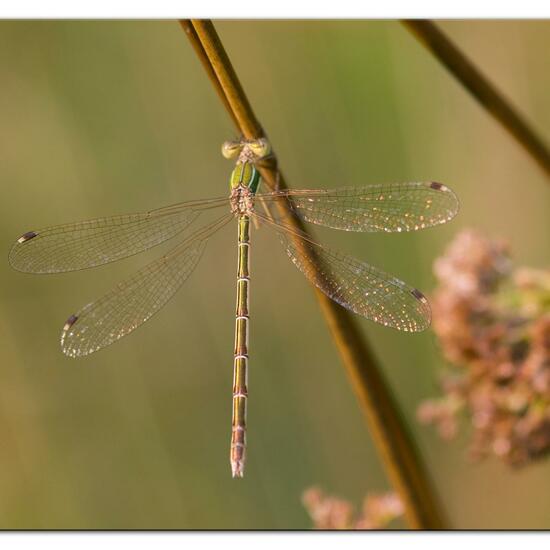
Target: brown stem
[(188, 28), (482, 90), (391, 437)]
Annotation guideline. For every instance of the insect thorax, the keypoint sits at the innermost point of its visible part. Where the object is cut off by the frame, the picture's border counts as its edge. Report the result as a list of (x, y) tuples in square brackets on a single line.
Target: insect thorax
[(245, 178), (245, 175)]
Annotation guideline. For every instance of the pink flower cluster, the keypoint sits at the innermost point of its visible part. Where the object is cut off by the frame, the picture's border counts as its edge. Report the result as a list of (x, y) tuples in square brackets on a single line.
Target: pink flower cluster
[(329, 512), (493, 324)]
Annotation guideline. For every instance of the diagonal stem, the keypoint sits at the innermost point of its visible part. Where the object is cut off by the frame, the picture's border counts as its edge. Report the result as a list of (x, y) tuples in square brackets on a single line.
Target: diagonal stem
[(483, 91), (389, 431), (201, 54)]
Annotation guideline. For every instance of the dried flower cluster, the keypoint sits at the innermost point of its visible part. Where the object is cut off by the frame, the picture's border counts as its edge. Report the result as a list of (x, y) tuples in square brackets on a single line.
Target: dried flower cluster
[(328, 512), (493, 324)]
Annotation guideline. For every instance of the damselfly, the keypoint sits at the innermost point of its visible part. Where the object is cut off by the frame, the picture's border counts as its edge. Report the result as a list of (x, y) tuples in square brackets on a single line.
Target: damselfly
[(353, 284)]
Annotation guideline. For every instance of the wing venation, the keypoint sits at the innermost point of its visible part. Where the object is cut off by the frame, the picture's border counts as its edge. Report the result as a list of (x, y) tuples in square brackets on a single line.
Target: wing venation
[(90, 243), (135, 300), (391, 207)]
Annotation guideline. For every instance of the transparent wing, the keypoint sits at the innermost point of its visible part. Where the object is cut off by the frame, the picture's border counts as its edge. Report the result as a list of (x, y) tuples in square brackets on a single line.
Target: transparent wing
[(91, 243), (135, 300), (390, 207), (354, 284)]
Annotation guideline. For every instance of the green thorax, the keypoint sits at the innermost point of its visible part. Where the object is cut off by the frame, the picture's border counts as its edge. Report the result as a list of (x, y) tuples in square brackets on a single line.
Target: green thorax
[(245, 175)]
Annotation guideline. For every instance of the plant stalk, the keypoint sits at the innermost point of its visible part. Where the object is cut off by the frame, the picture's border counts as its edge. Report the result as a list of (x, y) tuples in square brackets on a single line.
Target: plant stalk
[(394, 444), (490, 98)]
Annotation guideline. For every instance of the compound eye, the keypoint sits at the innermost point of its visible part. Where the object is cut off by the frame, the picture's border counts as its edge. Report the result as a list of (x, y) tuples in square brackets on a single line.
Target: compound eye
[(230, 149), (260, 147)]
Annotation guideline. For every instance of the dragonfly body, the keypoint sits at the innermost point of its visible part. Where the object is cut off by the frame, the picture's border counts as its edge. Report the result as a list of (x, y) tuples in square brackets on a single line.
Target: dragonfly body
[(244, 183), (240, 361), (352, 283)]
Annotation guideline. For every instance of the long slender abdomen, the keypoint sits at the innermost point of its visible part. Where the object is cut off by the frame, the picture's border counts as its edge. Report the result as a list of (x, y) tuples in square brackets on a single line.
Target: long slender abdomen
[(240, 363)]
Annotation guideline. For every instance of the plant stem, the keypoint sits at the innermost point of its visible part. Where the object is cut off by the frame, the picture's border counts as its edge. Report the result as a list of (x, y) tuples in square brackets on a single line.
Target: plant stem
[(389, 431), (201, 54), (479, 86)]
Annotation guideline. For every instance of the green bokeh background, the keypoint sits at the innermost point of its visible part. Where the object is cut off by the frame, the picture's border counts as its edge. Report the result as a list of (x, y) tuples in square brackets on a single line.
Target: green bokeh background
[(100, 118)]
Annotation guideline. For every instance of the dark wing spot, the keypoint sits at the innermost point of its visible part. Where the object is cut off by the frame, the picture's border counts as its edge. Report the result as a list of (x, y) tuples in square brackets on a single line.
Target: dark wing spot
[(27, 237), (418, 295), (436, 186), (70, 322)]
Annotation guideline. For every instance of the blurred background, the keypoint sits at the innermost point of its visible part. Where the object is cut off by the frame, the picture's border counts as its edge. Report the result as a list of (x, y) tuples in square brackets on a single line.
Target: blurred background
[(101, 118)]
